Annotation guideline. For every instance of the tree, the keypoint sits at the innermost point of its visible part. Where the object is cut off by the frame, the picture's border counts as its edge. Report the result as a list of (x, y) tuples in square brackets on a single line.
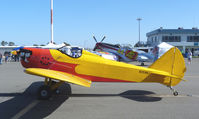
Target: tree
[(140, 44), (11, 44), (3, 43), (35, 45), (49, 42), (66, 44)]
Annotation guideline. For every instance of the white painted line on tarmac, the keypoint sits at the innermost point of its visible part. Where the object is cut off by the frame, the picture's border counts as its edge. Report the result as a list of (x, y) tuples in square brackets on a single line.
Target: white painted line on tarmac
[(197, 96), (192, 76), (26, 109), (188, 95), (165, 96)]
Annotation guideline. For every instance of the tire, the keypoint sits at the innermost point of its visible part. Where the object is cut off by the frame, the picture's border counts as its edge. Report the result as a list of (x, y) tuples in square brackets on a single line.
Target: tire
[(68, 89), (175, 93), (44, 92)]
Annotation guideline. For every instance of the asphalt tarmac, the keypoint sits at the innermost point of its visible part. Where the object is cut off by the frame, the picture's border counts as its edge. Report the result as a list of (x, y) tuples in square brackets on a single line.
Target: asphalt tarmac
[(18, 98)]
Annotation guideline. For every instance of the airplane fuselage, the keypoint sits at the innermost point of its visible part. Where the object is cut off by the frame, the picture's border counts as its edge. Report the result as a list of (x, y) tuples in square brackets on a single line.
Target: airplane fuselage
[(89, 66)]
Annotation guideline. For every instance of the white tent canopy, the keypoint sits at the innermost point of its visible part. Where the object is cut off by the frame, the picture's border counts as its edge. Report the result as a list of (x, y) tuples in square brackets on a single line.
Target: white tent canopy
[(162, 48)]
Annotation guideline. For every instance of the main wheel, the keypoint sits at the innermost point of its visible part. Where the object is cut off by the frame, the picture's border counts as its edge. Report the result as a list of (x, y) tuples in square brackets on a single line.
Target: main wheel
[(68, 89), (175, 93), (142, 64), (44, 92)]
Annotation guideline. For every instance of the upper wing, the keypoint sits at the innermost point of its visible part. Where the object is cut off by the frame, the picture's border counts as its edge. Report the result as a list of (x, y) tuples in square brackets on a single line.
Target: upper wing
[(66, 77)]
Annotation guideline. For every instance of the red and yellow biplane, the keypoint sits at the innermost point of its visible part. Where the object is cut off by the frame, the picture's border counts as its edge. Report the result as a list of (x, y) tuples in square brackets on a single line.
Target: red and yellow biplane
[(78, 66)]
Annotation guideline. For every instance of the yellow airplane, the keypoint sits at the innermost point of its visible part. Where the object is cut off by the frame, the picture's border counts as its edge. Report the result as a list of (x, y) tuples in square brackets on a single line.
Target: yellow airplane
[(80, 67)]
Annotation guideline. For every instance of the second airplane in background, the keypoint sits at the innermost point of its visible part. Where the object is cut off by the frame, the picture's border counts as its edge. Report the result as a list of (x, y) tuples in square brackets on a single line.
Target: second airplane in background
[(123, 54)]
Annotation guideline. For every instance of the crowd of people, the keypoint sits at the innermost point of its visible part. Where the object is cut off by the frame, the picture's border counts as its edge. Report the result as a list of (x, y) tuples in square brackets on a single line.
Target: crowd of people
[(8, 57)]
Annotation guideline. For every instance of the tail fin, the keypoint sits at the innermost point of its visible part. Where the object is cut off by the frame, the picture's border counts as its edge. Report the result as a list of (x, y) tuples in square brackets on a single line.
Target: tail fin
[(173, 63)]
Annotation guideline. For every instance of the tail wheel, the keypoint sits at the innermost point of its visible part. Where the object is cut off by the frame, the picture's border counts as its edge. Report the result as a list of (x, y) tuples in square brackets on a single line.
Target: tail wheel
[(175, 93), (44, 92)]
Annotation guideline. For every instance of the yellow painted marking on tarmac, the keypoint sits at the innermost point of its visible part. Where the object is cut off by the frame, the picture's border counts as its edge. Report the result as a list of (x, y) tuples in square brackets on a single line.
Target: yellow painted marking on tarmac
[(25, 110)]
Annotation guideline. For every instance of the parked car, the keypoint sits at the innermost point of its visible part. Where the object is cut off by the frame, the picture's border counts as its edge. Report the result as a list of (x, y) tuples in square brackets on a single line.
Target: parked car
[(196, 53)]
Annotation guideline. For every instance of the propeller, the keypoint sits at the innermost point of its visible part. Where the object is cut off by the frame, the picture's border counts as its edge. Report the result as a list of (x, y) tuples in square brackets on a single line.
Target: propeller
[(103, 38), (95, 39)]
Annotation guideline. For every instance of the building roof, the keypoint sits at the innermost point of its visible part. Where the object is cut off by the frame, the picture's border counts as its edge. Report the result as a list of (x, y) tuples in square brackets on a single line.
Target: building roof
[(176, 31)]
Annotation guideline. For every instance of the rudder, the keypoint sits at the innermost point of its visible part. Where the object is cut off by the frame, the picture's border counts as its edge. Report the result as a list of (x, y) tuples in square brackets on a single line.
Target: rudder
[(173, 63)]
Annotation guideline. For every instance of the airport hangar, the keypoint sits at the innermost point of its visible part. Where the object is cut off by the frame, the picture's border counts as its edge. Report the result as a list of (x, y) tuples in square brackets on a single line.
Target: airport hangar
[(181, 38)]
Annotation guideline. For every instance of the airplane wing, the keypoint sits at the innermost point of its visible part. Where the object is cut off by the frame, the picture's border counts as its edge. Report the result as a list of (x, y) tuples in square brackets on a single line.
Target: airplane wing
[(58, 75)]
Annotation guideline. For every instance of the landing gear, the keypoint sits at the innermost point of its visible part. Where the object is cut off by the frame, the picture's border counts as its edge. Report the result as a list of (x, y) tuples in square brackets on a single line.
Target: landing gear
[(142, 63), (44, 92), (175, 93), (50, 87)]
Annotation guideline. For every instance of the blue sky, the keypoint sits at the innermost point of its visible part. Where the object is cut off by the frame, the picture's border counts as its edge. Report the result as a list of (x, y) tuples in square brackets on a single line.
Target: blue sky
[(27, 22)]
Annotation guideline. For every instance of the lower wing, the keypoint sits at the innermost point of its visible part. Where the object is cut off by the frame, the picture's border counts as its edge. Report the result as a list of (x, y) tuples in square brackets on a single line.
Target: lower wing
[(57, 75)]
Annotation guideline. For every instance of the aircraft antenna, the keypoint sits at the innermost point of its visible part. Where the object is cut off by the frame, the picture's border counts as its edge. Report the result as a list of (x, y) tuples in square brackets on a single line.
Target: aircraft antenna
[(52, 41)]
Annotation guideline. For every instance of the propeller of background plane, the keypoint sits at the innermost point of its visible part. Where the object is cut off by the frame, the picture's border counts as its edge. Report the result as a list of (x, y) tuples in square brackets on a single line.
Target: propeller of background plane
[(100, 41)]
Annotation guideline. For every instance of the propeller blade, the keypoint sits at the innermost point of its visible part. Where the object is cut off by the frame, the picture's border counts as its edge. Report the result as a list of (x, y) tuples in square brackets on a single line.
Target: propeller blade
[(95, 39), (103, 38)]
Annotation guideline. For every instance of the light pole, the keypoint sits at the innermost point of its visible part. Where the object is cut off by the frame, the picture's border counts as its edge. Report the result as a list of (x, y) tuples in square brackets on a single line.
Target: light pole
[(139, 19), (51, 4)]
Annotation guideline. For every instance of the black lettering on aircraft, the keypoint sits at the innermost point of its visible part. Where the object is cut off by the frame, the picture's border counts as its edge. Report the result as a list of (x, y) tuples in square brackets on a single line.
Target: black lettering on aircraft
[(143, 72)]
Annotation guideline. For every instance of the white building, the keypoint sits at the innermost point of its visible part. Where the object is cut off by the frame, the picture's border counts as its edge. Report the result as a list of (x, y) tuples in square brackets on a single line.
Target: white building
[(181, 38), (4, 49)]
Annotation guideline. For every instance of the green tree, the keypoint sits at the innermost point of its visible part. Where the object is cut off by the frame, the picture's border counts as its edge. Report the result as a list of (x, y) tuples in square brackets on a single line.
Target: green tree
[(35, 45), (4, 43), (66, 44), (11, 44)]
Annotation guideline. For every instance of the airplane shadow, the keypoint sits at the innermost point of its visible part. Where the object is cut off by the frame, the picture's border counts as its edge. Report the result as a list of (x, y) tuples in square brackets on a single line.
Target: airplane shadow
[(19, 102), (136, 95), (25, 104)]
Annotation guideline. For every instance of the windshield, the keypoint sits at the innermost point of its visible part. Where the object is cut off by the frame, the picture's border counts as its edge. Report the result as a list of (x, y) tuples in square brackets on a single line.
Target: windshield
[(74, 52)]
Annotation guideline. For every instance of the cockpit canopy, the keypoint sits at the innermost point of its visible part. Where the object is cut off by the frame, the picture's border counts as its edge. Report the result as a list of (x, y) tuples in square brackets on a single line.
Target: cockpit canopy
[(74, 52)]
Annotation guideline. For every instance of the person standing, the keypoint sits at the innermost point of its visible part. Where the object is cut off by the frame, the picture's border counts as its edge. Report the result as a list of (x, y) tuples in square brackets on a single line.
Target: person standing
[(6, 57), (189, 56), (1, 56)]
